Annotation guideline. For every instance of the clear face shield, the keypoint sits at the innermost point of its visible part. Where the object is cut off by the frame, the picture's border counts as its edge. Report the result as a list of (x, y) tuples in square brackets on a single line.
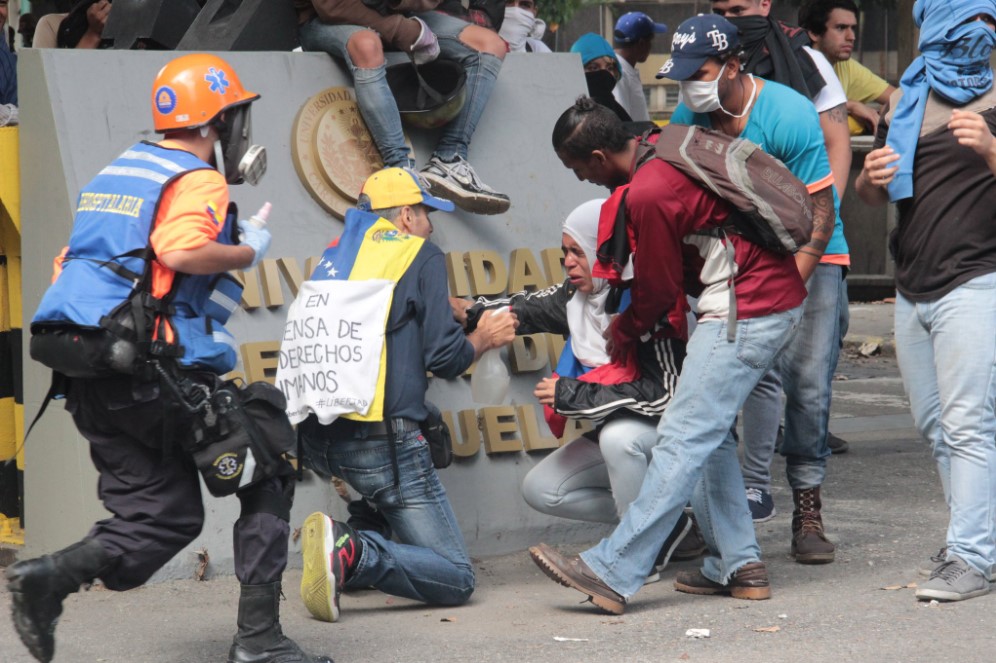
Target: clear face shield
[(236, 158)]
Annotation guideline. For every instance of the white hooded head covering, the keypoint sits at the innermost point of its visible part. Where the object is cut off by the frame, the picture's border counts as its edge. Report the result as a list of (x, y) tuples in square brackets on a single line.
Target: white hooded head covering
[(586, 314), (519, 25)]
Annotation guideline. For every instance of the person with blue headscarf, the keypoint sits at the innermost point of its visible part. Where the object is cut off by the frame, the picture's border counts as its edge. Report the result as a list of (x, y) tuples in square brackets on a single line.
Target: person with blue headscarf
[(935, 157)]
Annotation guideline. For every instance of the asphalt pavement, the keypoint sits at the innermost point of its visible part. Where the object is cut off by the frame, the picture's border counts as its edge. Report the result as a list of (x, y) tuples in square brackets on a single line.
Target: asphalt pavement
[(883, 508)]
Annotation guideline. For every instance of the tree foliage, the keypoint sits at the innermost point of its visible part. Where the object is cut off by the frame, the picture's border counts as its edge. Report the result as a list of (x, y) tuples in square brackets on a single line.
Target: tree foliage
[(557, 12)]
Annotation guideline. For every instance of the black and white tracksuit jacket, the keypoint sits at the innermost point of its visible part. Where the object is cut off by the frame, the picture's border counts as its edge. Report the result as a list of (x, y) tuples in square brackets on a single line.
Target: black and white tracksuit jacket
[(659, 359)]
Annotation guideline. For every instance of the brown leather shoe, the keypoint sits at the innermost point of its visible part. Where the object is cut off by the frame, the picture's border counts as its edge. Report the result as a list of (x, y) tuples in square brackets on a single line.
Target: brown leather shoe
[(573, 572), (749, 582), (810, 544)]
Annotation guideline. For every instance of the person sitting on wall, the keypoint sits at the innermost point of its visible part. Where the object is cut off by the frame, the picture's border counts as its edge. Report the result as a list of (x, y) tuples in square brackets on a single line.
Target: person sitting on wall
[(485, 13), (522, 28), (83, 26), (352, 31)]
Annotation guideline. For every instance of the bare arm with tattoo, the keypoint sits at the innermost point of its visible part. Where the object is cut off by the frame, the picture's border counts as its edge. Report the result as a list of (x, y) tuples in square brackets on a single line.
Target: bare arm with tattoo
[(837, 138), (824, 217)]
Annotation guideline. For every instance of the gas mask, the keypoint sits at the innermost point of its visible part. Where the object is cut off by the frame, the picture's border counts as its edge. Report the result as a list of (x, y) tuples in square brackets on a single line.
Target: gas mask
[(519, 24), (235, 157)]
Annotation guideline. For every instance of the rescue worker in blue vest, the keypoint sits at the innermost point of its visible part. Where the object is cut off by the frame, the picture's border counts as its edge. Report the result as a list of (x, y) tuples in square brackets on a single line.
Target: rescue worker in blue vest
[(165, 206), (429, 561)]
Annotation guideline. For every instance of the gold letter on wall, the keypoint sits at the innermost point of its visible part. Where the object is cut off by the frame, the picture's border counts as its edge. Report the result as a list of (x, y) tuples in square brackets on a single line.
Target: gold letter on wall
[(260, 360), (500, 421), (526, 274), (291, 271), (456, 272), (553, 263), (269, 275), (533, 439), (468, 442), (528, 353), (488, 275), (251, 297)]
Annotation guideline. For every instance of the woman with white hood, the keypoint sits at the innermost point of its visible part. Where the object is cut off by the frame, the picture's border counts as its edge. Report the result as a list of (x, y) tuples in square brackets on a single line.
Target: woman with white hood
[(522, 28), (594, 477)]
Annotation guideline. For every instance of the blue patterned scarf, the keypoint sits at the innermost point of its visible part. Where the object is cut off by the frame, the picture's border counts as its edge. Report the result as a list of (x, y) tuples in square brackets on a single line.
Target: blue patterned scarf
[(954, 63)]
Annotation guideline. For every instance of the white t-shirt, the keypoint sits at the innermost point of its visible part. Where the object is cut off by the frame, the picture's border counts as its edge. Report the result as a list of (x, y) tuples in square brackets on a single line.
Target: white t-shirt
[(831, 94), (536, 46), (629, 92)]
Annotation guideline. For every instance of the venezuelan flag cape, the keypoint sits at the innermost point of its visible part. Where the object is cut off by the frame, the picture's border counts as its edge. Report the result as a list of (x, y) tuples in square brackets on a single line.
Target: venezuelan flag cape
[(333, 356)]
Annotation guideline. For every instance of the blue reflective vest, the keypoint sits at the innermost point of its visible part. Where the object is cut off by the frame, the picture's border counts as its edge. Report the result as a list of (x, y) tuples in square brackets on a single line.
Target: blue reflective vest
[(109, 261)]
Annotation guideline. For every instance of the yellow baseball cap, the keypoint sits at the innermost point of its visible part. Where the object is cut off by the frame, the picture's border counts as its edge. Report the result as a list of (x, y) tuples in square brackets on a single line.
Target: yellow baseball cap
[(396, 187)]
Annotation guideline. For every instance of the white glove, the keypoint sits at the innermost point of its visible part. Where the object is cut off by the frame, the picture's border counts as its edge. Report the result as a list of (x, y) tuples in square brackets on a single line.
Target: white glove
[(257, 239), (426, 47)]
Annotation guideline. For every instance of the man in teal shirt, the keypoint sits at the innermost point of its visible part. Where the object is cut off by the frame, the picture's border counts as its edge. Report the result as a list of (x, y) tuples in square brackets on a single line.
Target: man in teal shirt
[(705, 60)]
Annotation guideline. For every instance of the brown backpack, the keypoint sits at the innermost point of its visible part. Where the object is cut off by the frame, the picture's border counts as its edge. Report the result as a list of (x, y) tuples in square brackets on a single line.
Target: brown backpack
[(773, 207)]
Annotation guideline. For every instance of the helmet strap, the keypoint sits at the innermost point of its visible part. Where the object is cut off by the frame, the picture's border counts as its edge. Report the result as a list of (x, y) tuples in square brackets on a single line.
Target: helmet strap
[(219, 159)]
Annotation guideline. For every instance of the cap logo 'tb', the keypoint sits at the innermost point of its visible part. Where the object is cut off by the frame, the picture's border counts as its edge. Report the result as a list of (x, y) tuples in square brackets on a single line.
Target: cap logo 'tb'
[(719, 40)]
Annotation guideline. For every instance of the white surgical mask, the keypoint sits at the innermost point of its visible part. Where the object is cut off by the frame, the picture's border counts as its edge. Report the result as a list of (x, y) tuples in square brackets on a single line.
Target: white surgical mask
[(700, 96), (519, 24)]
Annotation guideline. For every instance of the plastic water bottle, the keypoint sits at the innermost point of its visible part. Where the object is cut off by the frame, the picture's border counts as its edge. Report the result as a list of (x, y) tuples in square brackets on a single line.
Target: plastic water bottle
[(489, 382), (259, 218)]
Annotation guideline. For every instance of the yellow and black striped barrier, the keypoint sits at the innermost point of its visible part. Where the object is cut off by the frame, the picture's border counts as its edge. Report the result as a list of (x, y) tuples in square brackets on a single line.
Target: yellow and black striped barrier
[(11, 375)]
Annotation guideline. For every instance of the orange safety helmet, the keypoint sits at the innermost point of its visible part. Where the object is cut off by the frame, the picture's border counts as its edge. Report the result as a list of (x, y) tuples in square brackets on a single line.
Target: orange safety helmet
[(192, 90)]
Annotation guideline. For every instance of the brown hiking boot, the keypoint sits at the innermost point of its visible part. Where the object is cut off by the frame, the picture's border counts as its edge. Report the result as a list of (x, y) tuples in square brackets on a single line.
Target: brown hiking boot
[(573, 572), (809, 544), (749, 582)]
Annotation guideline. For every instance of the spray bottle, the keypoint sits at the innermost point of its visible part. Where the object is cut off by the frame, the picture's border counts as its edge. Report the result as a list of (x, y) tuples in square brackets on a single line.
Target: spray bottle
[(489, 382), (259, 218)]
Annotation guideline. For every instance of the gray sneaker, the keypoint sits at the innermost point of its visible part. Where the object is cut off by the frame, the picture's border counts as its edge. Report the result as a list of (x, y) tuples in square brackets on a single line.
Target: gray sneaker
[(954, 580), (456, 180), (939, 558), (936, 560)]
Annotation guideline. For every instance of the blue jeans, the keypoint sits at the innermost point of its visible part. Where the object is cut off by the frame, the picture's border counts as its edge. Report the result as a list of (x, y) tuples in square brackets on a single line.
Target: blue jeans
[(430, 562), (593, 479), (947, 356), (805, 372), (377, 104), (695, 441)]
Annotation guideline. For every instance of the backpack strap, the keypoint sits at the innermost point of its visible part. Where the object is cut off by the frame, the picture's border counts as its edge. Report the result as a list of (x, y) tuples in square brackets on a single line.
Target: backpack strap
[(59, 386)]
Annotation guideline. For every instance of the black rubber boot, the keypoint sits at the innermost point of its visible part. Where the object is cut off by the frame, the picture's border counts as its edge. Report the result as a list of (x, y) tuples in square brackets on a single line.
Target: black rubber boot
[(260, 638), (38, 587)]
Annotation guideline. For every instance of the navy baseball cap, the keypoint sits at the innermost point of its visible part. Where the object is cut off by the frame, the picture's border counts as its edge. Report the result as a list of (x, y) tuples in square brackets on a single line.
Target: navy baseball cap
[(634, 26), (695, 41)]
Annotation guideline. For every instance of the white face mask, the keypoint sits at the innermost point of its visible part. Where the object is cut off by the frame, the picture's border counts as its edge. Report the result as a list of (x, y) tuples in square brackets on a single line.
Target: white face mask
[(520, 23), (701, 96)]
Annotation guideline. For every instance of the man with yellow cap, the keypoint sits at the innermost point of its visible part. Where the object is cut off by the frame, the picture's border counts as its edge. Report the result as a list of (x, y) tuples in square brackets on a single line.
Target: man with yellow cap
[(379, 448)]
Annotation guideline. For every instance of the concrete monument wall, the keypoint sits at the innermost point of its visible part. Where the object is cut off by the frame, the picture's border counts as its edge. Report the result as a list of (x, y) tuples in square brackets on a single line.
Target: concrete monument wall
[(81, 109)]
